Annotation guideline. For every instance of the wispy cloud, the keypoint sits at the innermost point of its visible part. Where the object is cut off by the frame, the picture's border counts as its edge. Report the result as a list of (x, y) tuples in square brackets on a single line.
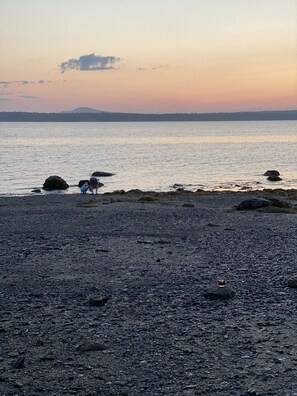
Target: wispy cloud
[(22, 82), (90, 62), (152, 68), (5, 100), (6, 93), (160, 67), (28, 97)]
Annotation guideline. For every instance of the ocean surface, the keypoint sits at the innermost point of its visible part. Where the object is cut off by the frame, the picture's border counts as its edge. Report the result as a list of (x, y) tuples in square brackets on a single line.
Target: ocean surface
[(149, 155)]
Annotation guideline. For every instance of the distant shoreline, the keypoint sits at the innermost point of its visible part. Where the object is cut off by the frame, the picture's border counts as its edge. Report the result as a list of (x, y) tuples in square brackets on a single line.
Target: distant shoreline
[(282, 115)]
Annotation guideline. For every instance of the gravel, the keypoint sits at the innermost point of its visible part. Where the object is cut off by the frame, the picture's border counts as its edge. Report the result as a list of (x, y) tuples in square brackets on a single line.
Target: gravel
[(149, 258)]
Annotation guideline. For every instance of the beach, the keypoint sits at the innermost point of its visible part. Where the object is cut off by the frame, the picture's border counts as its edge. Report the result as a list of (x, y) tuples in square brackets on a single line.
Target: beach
[(105, 295)]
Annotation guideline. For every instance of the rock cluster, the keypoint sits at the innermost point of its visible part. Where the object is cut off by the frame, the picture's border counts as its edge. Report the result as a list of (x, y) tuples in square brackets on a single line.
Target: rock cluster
[(273, 175)]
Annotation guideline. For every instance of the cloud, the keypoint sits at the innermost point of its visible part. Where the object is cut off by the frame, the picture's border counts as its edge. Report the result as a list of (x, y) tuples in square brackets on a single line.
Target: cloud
[(90, 62), (28, 97), (5, 100), (160, 67), (152, 68), (22, 82), (6, 93)]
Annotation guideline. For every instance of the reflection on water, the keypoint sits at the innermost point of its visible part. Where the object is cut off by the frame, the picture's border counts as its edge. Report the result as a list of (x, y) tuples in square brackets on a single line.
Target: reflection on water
[(149, 156)]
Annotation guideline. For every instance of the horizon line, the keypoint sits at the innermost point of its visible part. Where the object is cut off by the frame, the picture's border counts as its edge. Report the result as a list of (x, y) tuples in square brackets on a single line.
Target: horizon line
[(98, 112)]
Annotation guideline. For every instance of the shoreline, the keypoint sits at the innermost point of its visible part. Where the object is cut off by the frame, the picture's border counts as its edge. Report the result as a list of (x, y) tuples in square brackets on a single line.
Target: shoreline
[(147, 259), (288, 192)]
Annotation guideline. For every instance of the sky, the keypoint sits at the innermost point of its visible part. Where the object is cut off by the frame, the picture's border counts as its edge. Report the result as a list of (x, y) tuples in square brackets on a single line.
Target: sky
[(160, 56)]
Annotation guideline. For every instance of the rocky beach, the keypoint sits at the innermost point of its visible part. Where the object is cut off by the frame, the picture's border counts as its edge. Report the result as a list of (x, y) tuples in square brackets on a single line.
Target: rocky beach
[(109, 294)]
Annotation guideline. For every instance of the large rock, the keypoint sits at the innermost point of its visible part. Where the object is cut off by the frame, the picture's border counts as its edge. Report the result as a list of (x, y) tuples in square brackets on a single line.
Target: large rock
[(274, 178), (55, 183), (102, 174), (258, 203), (271, 173), (254, 203)]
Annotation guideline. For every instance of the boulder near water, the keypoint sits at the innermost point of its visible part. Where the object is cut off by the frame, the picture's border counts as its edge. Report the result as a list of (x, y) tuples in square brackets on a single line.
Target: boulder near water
[(254, 203), (260, 202), (274, 178), (272, 173), (102, 174), (55, 183)]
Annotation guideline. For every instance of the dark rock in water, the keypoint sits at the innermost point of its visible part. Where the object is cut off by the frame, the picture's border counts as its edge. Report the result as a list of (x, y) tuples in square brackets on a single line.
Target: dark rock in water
[(219, 293), (254, 203), (55, 183), (82, 182), (177, 185), (292, 283), (274, 178), (89, 346), (271, 173), (36, 190), (98, 302), (19, 363), (188, 205), (102, 174)]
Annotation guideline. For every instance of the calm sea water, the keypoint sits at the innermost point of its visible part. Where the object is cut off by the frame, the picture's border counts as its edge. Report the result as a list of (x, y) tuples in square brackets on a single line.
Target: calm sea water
[(148, 156)]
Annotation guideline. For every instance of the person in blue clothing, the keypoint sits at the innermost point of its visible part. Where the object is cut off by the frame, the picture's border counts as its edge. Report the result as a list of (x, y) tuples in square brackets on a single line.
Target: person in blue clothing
[(85, 187)]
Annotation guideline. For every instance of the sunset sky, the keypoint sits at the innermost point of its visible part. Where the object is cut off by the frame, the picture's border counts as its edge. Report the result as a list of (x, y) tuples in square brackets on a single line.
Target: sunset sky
[(148, 56)]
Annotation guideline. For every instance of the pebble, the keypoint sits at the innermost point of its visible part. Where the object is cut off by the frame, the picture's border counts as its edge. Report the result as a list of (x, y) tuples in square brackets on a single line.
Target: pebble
[(98, 302), (19, 363), (292, 283), (88, 346)]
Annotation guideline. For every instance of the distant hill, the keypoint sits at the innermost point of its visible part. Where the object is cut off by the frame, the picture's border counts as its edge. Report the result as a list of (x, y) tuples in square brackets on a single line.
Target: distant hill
[(102, 116), (83, 110)]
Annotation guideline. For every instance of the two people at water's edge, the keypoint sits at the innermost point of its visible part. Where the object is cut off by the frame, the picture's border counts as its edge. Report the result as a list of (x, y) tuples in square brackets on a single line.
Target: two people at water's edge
[(90, 185)]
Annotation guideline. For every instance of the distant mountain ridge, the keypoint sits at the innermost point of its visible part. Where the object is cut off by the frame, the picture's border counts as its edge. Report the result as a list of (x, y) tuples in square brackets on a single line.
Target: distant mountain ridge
[(83, 110), (102, 116)]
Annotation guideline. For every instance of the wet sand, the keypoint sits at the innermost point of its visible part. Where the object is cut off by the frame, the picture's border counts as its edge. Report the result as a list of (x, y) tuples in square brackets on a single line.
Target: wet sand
[(145, 260)]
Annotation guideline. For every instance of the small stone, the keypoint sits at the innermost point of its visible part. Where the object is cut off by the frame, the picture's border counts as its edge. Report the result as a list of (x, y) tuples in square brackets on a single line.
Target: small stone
[(98, 302), (292, 283), (188, 205), (219, 293), (89, 346), (47, 357), (19, 363)]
